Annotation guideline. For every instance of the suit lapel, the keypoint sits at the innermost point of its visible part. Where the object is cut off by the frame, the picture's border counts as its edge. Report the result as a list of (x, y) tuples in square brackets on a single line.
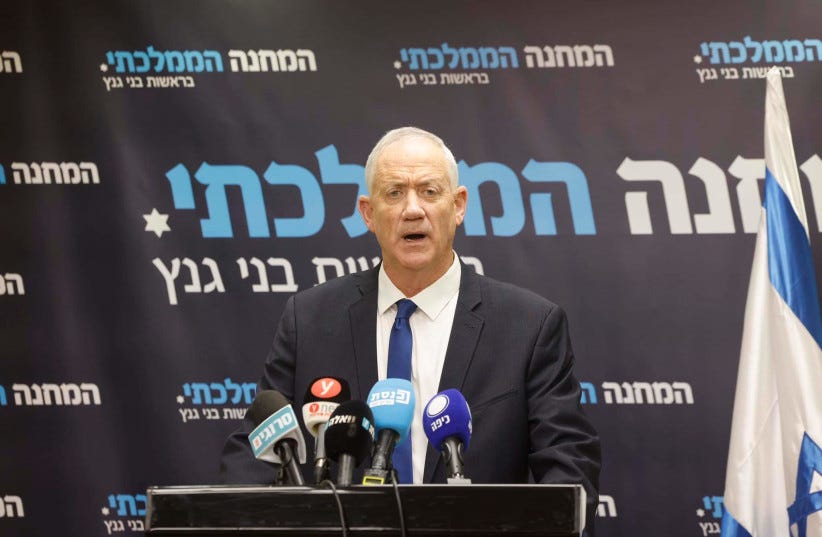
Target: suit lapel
[(465, 334), (363, 317)]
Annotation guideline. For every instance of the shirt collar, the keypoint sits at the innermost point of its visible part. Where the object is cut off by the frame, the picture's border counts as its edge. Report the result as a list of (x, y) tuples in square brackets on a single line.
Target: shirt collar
[(431, 300)]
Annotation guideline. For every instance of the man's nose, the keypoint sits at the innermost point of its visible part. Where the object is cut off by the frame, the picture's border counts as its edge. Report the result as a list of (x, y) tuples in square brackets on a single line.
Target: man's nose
[(413, 208)]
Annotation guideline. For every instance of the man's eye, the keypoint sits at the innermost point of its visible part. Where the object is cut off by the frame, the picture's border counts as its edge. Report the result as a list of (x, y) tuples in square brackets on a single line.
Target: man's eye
[(393, 194)]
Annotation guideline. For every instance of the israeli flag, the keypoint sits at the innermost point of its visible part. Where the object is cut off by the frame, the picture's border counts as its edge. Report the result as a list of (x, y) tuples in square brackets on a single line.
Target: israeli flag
[(773, 485)]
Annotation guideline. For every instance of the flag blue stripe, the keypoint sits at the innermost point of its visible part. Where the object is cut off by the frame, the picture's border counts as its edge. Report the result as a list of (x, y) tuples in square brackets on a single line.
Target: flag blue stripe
[(790, 263), (732, 528)]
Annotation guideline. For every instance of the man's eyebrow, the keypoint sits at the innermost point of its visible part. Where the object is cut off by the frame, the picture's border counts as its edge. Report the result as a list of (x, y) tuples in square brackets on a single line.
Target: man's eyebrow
[(390, 183)]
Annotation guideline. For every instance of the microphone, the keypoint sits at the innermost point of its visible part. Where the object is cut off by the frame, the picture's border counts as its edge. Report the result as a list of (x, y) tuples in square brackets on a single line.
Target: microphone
[(349, 435), (447, 423), (277, 433), (392, 402), (323, 395)]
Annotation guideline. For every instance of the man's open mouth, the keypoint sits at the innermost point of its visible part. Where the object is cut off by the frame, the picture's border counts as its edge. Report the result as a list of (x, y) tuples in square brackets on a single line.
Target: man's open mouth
[(414, 236)]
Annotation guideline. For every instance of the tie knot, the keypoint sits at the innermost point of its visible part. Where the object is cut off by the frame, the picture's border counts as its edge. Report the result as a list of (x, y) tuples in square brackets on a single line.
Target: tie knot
[(405, 308)]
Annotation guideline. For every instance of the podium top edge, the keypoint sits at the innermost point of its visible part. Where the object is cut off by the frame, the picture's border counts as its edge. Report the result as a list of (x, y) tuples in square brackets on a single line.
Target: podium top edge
[(253, 489)]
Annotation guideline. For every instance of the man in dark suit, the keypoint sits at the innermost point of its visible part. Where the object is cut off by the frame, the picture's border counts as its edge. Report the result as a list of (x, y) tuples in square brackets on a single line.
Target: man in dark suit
[(506, 349)]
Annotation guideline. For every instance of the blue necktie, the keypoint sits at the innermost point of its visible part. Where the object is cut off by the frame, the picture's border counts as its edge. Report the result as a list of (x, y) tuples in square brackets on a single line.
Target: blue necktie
[(399, 367)]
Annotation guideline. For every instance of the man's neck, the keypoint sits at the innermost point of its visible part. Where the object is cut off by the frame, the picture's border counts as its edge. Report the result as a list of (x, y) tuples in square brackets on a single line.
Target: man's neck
[(412, 282)]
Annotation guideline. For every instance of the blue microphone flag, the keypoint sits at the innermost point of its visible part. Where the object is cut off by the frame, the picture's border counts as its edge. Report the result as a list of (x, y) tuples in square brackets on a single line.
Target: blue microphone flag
[(447, 415), (392, 401)]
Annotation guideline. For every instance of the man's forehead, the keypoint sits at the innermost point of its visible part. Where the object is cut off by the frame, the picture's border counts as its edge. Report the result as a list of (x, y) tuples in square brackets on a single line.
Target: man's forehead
[(413, 148), (395, 172)]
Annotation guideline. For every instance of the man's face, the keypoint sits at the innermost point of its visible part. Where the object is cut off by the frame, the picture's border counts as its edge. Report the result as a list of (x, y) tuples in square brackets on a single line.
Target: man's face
[(412, 209)]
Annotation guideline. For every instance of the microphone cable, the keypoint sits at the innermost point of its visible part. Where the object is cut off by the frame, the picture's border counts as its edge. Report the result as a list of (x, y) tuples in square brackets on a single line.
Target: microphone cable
[(343, 526), (394, 480)]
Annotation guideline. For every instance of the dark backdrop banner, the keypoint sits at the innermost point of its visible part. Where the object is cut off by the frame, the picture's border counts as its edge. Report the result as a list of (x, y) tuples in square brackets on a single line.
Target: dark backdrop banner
[(172, 171)]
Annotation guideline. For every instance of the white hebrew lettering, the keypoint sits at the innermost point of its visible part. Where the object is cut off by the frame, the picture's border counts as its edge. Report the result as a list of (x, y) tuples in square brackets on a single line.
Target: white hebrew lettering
[(288, 60), (749, 172), (70, 172), (606, 507), (11, 62), (306, 60), (51, 173), (680, 389), (169, 276), (564, 55), (88, 172), (36, 174), (584, 55), (21, 393), (21, 173), (216, 283), (233, 56), (673, 192), (628, 394), (13, 284), (289, 286), (52, 394), (719, 218), (233, 413), (14, 506), (663, 393), (351, 263), (604, 54), (612, 392), (253, 61), (642, 392), (194, 286), (322, 263), (268, 60), (262, 285), (533, 55), (729, 73), (71, 394), (90, 393)]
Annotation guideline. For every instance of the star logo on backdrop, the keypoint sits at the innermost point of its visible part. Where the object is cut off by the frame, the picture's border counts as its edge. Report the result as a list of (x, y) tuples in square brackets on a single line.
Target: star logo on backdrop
[(397, 64), (105, 511), (807, 501), (697, 59), (156, 222), (103, 67), (180, 399)]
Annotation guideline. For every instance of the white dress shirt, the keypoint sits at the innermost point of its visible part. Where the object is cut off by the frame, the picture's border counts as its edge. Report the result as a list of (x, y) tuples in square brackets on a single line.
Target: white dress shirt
[(430, 329)]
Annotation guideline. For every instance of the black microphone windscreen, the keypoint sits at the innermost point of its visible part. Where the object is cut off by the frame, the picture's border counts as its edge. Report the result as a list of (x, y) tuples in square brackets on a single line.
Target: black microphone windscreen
[(330, 389), (350, 431), (266, 403)]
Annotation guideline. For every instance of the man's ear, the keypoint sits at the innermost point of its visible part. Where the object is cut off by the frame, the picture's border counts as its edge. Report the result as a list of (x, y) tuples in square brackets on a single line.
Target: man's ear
[(460, 203), (364, 205)]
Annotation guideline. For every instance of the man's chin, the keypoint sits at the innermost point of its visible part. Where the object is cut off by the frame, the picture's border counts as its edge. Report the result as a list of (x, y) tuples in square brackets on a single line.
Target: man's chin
[(415, 261)]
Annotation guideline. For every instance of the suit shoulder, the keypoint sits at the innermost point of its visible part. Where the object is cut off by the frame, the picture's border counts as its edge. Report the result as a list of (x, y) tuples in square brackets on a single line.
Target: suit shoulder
[(340, 289), (513, 296)]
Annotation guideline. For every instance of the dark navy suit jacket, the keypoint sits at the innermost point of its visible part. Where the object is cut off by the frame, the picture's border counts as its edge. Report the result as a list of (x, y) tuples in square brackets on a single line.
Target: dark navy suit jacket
[(509, 354)]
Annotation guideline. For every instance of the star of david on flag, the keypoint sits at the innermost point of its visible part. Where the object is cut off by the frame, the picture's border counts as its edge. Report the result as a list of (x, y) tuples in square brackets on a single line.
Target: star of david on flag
[(773, 481)]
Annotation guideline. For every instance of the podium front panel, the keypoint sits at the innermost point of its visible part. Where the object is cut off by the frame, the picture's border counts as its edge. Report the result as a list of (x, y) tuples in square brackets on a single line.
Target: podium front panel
[(429, 510)]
